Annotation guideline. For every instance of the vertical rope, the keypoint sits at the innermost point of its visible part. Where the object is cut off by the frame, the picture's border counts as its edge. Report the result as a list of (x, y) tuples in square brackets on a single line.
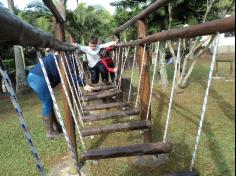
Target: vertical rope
[(80, 69), (76, 76), (58, 113), (153, 79), (73, 83), (118, 62), (132, 73), (140, 79), (204, 106), (172, 93), (27, 134), (69, 102), (123, 67)]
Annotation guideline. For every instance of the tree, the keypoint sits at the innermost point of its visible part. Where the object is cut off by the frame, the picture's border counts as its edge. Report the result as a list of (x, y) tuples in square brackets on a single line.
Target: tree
[(21, 82)]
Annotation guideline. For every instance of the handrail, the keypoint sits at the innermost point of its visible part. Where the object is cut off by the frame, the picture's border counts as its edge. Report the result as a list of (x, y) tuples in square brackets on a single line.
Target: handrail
[(15, 31), (208, 28), (155, 6)]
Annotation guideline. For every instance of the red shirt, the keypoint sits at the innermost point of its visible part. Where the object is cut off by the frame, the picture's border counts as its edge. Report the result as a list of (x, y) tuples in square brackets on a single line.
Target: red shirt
[(106, 61)]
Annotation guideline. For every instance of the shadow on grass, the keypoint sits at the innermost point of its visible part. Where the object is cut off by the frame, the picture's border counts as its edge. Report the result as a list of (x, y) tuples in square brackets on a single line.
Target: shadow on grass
[(214, 147)]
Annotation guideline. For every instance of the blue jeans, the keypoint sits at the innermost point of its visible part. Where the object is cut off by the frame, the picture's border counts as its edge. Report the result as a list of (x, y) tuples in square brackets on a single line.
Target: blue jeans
[(39, 86), (95, 71)]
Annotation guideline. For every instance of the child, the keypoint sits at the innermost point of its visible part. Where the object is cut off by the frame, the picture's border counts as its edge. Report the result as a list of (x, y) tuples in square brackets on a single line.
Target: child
[(108, 62), (37, 82), (94, 59)]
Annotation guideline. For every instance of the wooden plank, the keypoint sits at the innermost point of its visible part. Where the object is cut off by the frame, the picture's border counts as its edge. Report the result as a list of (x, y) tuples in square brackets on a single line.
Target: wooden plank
[(99, 92), (50, 4), (153, 7), (15, 31), (193, 173), (207, 28), (141, 125), (109, 115), (134, 150), (105, 106), (104, 87), (101, 95)]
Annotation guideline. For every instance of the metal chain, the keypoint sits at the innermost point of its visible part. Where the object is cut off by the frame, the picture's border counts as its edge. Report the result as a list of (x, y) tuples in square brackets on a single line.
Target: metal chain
[(204, 106), (172, 92), (132, 73), (27, 134), (58, 113), (153, 79), (140, 79)]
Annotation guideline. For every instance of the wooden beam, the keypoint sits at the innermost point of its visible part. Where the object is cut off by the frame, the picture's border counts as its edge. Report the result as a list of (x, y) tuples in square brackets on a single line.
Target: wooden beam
[(153, 7), (101, 95), (141, 125), (109, 115), (105, 87), (193, 173), (134, 150), (17, 32), (105, 106), (54, 10), (145, 86), (208, 28)]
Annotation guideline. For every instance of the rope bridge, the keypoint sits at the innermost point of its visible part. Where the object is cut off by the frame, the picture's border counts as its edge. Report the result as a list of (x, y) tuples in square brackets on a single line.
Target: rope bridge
[(69, 66)]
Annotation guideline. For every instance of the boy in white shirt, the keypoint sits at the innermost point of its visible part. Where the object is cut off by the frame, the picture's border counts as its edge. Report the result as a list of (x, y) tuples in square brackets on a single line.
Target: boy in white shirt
[(94, 59)]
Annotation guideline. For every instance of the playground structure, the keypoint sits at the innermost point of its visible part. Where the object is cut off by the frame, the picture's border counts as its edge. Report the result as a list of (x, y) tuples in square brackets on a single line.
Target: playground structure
[(30, 36)]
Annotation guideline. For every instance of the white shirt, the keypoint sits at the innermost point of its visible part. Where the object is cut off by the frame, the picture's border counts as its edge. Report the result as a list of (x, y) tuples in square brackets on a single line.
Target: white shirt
[(93, 55)]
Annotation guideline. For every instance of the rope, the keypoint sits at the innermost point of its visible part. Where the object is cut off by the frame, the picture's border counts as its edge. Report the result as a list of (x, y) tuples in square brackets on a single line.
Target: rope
[(80, 67), (27, 134), (73, 95), (140, 79), (73, 82), (118, 62), (123, 67), (204, 106), (132, 73), (153, 79), (58, 113), (69, 102), (172, 93), (76, 76)]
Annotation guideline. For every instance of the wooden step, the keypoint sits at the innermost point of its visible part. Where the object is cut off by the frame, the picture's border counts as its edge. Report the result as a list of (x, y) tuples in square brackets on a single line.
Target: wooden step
[(103, 94), (109, 115), (105, 106), (104, 87), (193, 173), (134, 150), (141, 125)]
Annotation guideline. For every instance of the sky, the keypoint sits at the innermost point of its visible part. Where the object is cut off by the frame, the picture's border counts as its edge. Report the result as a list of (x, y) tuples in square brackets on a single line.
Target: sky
[(71, 4)]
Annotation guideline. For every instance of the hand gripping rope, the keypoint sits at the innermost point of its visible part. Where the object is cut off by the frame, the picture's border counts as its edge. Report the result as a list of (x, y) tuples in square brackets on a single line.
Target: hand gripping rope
[(204, 104), (69, 102), (132, 73), (141, 74), (172, 92), (58, 113), (27, 134), (153, 79)]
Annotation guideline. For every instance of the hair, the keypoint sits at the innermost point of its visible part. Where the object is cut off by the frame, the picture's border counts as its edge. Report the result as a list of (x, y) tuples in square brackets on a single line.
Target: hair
[(93, 40)]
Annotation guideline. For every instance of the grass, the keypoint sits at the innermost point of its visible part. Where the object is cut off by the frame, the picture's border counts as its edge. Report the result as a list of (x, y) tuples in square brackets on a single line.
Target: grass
[(217, 145)]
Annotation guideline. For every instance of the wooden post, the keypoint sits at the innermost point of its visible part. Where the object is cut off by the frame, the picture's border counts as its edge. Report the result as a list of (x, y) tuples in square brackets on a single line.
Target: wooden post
[(145, 82), (69, 123)]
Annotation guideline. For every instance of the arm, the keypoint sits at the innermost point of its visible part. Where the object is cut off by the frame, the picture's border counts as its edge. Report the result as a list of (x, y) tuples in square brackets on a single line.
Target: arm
[(107, 67), (106, 45)]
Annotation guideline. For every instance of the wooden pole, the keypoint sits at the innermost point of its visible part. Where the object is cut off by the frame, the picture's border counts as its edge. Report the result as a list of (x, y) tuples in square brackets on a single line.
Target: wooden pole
[(145, 81), (69, 123)]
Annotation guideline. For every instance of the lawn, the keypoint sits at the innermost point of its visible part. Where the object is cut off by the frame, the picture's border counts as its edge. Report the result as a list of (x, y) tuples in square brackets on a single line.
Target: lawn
[(216, 150)]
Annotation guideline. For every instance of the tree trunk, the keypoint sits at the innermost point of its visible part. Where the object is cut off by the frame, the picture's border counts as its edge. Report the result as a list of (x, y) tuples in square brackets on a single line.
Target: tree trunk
[(163, 71), (21, 83)]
